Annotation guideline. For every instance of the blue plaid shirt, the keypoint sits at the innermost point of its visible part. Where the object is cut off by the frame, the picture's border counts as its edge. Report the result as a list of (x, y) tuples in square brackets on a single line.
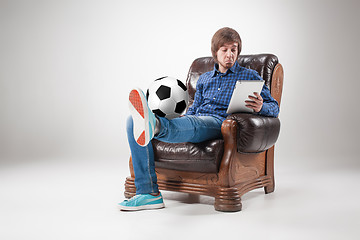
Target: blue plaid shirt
[(214, 90)]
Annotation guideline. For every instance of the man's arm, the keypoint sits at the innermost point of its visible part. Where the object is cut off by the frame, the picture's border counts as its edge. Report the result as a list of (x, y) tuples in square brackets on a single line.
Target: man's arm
[(270, 106), (263, 104), (197, 99)]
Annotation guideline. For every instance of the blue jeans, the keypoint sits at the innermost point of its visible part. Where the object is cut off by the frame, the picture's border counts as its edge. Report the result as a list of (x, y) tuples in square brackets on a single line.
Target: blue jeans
[(184, 129)]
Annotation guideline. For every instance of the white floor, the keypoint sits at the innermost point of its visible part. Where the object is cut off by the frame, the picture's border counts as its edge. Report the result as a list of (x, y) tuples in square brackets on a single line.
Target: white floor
[(76, 199)]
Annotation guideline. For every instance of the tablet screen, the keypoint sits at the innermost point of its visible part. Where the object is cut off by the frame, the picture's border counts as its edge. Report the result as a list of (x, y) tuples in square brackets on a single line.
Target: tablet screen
[(242, 90)]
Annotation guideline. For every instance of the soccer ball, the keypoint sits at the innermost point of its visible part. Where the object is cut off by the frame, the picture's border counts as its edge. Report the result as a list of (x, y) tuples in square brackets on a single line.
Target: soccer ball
[(167, 97)]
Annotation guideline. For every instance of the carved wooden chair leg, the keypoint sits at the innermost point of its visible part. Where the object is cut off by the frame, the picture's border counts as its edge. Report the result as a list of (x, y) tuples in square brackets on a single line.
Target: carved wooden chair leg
[(130, 189), (193, 198), (228, 200), (270, 188), (270, 170)]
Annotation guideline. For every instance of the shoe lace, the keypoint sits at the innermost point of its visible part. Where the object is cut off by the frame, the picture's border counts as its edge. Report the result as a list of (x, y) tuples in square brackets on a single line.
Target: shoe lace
[(134, 197)]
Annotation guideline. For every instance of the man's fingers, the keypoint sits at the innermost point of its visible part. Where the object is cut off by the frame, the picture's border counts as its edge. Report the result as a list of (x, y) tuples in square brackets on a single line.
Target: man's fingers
[(255, 99), (255, 102), (255, 105), (258, 96), (250, 106), (251, 103)]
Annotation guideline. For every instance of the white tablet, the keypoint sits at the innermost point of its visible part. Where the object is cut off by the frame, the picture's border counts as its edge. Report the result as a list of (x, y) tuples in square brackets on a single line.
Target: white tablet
[(242, 90)]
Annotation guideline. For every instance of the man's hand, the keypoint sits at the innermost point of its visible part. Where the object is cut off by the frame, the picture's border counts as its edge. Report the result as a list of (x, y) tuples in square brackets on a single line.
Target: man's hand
[(255, 103)]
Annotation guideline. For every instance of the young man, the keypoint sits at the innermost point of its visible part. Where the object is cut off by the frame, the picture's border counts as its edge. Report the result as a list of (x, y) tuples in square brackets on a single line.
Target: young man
[(201, 122)]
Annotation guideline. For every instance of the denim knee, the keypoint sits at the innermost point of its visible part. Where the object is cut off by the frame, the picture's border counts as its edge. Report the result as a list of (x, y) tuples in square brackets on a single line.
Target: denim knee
[(129, 125)]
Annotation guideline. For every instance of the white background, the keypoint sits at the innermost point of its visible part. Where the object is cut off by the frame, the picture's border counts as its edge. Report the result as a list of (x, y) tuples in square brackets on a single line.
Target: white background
[(66, 68)]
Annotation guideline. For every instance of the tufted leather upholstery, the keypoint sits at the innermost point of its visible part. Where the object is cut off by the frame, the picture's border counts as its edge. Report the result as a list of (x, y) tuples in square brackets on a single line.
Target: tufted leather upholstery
[(264, 64), (254, 133), (200, 157)]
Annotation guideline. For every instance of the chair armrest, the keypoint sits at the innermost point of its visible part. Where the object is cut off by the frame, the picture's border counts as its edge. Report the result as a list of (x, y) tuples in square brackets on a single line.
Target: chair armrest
[(255, 133)]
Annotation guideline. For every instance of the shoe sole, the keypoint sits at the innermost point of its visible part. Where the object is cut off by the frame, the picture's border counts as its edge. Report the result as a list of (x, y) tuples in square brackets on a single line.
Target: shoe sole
[(142, 207), (140, 115)]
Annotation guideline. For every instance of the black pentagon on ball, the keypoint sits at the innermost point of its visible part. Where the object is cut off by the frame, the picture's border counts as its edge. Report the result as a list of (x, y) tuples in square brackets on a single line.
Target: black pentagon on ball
[(180, 107), (181, 85), (159, 113), (163, 92)]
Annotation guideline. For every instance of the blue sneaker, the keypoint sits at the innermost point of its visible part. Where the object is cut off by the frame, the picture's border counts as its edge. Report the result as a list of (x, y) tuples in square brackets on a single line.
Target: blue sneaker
[(143, 118), (142, 202)]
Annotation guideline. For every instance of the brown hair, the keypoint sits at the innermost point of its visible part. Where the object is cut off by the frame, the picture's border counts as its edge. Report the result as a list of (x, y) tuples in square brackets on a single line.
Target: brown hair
[(223, 36)]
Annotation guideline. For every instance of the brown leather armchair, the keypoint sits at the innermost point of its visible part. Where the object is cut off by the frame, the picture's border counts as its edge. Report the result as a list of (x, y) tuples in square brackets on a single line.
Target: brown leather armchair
[(225, 168)]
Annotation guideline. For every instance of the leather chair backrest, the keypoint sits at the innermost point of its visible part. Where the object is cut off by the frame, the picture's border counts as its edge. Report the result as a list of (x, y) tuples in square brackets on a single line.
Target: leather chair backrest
[(264, 64)]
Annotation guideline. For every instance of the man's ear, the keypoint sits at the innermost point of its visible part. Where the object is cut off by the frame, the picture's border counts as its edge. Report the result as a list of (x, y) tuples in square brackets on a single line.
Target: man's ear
[(215, 58)]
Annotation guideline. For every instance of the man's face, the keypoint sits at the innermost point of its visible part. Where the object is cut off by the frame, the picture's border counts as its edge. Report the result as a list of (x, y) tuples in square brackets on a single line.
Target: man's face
[(227, 55)]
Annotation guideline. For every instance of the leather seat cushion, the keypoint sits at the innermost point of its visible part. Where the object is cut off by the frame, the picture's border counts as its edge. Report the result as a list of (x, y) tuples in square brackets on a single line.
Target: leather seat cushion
[(193, 157)]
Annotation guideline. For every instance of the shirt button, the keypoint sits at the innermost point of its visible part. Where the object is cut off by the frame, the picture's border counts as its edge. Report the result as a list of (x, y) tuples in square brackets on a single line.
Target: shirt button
[(214, 98), (219, 89)]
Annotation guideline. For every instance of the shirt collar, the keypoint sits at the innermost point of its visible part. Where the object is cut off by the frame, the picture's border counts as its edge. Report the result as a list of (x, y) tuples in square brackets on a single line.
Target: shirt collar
[(233, 69)]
